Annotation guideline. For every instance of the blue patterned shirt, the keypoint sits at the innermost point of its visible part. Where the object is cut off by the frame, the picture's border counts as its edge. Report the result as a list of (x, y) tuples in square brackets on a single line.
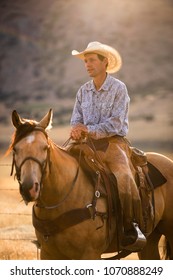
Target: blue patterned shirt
[(104, 112)]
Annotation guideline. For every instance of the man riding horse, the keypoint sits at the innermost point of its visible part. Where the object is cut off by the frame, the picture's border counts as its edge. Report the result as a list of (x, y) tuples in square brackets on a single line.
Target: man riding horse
[(101, 111)]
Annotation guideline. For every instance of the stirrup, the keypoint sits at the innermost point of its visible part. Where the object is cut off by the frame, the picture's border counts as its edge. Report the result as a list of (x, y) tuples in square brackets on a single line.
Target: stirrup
[(140, 241)]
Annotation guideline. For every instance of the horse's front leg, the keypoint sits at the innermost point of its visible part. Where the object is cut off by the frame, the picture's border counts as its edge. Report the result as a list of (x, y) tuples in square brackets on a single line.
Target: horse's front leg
[(151, 250), (44, 255)]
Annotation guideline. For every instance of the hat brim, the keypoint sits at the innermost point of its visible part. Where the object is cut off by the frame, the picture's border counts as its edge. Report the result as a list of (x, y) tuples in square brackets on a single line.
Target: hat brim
[(114, 58)]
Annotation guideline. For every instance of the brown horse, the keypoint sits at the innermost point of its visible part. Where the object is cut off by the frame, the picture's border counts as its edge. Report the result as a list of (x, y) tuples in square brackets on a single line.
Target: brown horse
[(67, 225)]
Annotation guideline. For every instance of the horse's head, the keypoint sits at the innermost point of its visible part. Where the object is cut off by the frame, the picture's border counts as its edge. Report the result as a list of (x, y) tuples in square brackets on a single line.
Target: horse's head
[(30, 154)]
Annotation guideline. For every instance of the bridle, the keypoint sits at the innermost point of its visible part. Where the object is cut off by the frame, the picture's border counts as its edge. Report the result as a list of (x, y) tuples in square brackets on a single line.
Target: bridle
[(42, 165), (18, 168)]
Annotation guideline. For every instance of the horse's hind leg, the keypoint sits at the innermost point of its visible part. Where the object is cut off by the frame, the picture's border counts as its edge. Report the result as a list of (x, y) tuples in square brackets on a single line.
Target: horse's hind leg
[(168, 247), (151, 250), (169, 252), (166, 228)]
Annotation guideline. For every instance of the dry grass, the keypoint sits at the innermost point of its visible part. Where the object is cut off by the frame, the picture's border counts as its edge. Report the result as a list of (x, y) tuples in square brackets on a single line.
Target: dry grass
[(16, 243), (16, 231)]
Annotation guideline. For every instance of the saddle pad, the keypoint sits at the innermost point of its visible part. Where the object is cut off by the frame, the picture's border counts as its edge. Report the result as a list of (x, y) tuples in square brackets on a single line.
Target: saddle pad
[(155, 175)]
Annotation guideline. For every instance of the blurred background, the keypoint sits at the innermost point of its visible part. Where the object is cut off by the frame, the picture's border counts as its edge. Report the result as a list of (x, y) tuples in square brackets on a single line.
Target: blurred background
[(38, 72)]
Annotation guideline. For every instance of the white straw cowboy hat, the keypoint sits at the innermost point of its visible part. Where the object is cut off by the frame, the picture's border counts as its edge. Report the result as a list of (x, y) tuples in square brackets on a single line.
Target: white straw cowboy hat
[(114, 58)]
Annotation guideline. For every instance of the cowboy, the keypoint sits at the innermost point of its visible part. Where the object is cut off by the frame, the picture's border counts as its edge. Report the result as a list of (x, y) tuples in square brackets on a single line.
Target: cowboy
[(101, 111)]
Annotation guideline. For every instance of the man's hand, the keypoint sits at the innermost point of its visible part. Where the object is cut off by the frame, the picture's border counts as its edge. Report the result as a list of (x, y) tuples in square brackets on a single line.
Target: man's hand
[(78, 132)]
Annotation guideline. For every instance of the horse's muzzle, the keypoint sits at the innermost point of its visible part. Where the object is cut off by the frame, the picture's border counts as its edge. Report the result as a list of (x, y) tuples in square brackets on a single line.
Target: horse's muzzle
[(29, 190)]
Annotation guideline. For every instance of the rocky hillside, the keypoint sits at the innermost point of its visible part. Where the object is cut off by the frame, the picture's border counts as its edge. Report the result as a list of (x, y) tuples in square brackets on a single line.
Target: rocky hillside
[(37, 70)]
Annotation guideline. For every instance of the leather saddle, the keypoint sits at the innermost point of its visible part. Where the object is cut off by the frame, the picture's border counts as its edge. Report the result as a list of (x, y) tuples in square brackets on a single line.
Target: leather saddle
[(86, 153), (147, 177)]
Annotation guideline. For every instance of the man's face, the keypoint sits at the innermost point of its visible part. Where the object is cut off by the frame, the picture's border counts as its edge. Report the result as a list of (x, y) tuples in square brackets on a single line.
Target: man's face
[(94, 65)]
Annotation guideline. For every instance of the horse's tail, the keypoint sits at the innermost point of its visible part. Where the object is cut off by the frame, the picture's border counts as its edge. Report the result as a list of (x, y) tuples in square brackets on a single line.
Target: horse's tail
[(166, 249)]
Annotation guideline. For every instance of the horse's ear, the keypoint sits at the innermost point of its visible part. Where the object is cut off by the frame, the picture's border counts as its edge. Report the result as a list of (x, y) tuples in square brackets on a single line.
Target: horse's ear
[(16, 119), (46, 122)]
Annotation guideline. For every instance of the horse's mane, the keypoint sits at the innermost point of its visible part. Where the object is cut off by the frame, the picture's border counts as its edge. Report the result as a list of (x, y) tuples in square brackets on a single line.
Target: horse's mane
[(22, 130)]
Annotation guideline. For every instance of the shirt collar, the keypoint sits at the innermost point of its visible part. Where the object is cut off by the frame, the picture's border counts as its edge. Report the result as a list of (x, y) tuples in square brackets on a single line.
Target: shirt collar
[(105, 86)]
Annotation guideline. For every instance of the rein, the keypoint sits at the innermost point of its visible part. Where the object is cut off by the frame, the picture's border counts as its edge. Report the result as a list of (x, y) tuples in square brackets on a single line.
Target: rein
[(59, 203)]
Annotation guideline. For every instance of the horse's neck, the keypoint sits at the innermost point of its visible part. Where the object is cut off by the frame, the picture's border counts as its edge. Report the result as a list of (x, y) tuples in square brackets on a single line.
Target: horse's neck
[(64, 166), (61, 174)]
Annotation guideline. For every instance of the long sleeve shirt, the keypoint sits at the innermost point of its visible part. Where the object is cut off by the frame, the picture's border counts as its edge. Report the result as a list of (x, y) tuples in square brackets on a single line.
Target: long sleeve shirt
[(104, 112)]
